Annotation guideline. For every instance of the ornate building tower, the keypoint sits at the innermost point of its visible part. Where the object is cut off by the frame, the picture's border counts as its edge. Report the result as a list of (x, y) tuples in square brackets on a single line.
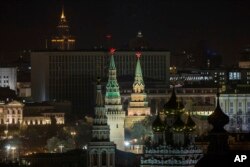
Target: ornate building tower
[(173, 143), (101, 152), (113, 105), (138, 106), (63, 40)]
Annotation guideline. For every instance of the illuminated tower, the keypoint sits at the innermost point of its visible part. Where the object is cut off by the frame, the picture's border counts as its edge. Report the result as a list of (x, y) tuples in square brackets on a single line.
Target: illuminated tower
[(101, 152), (138, 106), (63, 40), (113, 105)]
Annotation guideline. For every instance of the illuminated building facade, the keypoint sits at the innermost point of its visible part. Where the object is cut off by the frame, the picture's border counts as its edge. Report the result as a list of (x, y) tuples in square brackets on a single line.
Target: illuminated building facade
[(236, 106), (8, 77), (63, 40), (16, 113), (101, 151), (11, 113), (69, 75), (113, 105), (138, 106)]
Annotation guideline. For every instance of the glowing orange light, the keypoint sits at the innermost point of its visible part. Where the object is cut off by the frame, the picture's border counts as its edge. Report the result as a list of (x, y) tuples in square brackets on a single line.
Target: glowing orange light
[(138, 54), (112, 51)]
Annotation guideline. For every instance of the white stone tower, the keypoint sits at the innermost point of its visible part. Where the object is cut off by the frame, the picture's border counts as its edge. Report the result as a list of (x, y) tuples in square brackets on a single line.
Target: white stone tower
[(138, 106), (113, 105), (101, 152)]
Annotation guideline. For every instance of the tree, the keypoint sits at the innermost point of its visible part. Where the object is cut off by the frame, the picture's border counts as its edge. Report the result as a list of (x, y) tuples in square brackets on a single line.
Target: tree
[(142, 130)]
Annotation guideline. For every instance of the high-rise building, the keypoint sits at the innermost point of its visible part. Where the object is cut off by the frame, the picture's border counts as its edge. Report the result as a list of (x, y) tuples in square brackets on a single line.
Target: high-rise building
[(115, 113), (69, 75), (138, 106), (8, 77), (101, 151), (63, 40)]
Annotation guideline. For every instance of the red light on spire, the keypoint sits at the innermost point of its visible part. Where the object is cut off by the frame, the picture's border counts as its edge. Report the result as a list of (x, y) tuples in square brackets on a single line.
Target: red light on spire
[(112, 51), (108, 36), (138, 54)]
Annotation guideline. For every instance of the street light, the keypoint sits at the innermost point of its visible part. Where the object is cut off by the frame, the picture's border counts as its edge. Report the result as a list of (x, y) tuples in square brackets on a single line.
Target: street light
[(6, 130), (73, 134), (13, 148), (61, 147), (7, 151)]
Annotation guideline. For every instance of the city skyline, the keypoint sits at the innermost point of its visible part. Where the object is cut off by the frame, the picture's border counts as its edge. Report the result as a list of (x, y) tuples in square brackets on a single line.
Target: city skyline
[(169, 25)]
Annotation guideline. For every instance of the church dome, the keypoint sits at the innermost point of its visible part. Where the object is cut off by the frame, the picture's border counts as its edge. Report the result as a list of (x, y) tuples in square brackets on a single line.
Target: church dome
[(190, 125), (218, 119), (172, 105), (179, 125), (157, 125)]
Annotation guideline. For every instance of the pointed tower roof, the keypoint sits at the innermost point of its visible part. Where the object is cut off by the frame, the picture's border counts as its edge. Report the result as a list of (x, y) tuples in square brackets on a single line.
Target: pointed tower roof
[(178, 125), (190, 124), (157, 125), (112, 61), (218, 119), (172, 105), (99, 98), (62, 15), (138, 71), (138, 85), (112, 87)]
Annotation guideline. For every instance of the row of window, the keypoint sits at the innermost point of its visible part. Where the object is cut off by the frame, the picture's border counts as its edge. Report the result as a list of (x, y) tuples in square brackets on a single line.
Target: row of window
[(4, 76)]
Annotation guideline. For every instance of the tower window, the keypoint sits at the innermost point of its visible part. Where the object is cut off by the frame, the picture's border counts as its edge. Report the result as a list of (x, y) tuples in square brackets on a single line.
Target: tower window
[(116, 125)]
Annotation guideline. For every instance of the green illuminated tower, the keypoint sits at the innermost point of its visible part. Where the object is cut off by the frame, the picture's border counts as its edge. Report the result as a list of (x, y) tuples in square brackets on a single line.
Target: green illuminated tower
[(113, 105)]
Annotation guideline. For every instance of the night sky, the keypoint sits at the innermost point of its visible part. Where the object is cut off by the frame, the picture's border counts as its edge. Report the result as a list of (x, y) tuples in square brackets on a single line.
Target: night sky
[(173, 25)]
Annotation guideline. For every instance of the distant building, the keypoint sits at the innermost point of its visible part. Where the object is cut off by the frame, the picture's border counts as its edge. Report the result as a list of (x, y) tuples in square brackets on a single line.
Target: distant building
[(17, 113), (11, 113), (8, 77), (63, 40), (236, 106), (43, 113), (24, 89), (69, 75), (139, 43)]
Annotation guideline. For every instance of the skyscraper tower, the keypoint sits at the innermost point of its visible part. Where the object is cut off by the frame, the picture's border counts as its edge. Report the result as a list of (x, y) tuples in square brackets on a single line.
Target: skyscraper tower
[(101, 152), (138, 106), (63, 40), (113, 105)]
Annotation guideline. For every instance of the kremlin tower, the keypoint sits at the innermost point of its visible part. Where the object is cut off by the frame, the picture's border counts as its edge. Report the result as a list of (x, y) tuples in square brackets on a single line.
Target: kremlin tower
[(113, 105), (138, 106), (63, 40), (101, 152)]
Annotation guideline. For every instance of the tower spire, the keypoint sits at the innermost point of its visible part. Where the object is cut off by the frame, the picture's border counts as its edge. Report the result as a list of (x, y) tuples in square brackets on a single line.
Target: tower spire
[(99, 99), (138, 84), (63, 40), (112, 87), (62, 15)]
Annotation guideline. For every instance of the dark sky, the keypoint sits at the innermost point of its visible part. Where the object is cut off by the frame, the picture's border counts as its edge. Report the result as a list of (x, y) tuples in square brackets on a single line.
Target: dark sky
[(174, 25)]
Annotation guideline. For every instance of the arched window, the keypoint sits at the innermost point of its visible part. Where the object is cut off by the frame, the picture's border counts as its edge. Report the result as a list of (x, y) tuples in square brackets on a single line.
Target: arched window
[(95, 158), (104, 158), (111, 159)]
